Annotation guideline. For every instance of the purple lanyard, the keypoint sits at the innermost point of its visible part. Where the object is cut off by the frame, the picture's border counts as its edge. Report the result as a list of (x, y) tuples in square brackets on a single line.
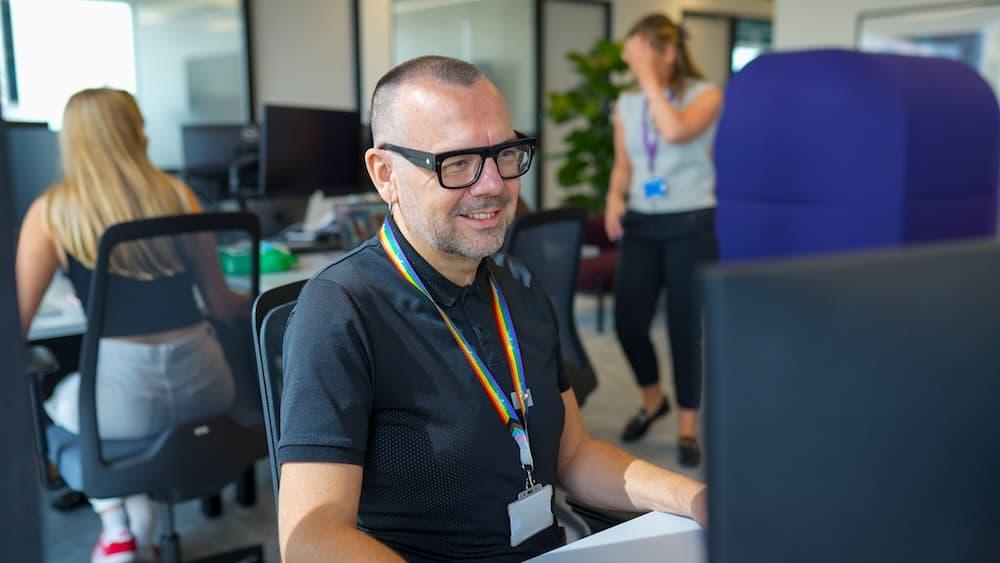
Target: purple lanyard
[(650, 137)]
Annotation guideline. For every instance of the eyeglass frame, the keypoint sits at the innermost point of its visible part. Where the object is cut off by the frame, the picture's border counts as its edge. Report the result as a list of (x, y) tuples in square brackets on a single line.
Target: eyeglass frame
[(433, 161)]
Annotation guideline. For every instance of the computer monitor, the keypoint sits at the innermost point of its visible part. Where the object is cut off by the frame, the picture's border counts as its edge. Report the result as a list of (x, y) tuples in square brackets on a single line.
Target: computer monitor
[(217, 145), (210, 151), (852, 407), (33, 161), (308, 149)]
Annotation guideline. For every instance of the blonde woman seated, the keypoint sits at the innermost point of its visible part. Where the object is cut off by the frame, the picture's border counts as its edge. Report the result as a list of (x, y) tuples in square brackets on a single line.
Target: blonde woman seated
[(159, 362)]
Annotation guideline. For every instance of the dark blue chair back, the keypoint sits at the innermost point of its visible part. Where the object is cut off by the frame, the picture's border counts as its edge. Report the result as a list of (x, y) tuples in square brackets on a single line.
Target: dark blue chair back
[(822, 151)]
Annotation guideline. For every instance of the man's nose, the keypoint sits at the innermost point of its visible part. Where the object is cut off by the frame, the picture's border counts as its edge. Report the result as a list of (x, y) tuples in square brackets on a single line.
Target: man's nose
[(490, 182)]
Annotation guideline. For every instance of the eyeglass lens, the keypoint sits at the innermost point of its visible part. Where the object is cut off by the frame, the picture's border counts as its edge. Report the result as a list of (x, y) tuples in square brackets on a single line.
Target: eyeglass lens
[(463, 169)]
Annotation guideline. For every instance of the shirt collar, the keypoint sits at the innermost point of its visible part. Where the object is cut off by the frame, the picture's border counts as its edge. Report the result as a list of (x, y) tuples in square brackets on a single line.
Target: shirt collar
[(445, 292)]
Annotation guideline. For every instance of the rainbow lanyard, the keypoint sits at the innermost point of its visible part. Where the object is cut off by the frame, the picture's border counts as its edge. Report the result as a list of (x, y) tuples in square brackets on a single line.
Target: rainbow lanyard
[(508, 416)]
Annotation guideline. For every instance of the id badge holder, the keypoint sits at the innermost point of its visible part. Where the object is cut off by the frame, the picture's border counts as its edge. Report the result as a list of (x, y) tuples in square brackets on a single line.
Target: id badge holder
[(656, 187), (530, 513)]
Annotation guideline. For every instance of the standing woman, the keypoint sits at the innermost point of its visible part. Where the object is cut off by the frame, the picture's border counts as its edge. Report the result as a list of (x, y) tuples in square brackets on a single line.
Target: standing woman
[(159, 362), (663, 168)]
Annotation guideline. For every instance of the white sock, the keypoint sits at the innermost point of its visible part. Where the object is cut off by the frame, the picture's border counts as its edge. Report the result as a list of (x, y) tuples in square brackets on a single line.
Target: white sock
[(142, 517), (114, 519)]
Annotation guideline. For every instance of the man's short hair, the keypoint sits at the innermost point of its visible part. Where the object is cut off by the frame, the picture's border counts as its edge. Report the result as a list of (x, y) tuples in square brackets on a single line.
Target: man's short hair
[(444, 69)]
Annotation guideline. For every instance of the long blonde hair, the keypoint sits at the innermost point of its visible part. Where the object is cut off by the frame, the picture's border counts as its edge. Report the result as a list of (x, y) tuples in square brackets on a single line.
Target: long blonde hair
[(661, 31), (108, 179)]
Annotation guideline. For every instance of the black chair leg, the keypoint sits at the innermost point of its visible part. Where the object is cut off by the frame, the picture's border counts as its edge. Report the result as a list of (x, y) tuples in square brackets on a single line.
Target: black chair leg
[(170, 542), (211, 507), (246, 488)]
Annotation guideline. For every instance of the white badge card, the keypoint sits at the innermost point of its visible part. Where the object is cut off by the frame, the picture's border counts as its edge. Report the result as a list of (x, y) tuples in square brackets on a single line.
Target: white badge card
[(530, 513)]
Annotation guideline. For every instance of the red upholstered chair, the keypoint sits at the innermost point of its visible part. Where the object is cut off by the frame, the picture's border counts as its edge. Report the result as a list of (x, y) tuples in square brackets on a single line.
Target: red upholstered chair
[(597, 271)]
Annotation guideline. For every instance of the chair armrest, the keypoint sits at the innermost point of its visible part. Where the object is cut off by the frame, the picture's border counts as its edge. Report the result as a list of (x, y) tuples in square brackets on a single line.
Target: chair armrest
[(41, 362), (598, 518)]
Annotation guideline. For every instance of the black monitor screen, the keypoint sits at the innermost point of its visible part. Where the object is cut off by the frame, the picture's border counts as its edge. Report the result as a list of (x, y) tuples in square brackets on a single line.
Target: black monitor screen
[(33, 152), (852, 408), (304, 150), (217, 145)]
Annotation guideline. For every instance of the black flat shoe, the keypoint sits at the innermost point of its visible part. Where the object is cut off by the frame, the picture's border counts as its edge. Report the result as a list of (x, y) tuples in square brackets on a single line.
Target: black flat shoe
[(69, 501), (688, 452), (639, 424)]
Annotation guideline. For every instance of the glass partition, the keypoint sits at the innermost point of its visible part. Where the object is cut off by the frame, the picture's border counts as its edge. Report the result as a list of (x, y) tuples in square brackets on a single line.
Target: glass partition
[(498, 36), (185, 61)]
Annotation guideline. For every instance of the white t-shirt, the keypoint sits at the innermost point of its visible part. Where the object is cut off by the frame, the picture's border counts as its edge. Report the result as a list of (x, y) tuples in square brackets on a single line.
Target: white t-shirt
[(686, 167)]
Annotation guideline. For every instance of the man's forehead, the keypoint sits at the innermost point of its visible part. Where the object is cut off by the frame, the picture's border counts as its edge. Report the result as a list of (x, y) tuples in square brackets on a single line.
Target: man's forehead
[(430, 93), (428, 110)]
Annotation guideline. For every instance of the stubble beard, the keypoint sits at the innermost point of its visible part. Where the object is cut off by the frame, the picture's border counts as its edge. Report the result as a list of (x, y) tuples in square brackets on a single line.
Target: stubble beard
[(447, 238)]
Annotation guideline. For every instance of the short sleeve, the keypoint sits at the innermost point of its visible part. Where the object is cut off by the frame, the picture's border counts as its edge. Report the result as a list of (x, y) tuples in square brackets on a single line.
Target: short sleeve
[(326, 402)]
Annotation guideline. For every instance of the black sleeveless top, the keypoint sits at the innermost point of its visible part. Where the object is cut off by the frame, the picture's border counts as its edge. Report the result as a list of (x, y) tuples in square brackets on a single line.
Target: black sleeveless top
[(135, 307)]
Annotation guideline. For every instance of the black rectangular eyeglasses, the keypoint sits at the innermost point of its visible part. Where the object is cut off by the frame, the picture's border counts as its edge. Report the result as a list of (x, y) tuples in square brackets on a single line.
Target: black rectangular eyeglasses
[(461, 168)]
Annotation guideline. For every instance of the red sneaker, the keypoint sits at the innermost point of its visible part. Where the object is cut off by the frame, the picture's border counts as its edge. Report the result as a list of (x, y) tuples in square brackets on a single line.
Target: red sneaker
[(118, 549)]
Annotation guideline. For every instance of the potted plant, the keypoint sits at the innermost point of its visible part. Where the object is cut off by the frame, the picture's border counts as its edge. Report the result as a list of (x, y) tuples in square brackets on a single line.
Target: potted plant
[(589, 106)]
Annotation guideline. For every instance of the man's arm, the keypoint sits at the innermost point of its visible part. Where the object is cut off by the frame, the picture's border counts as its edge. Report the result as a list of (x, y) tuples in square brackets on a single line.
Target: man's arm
[(318, 514), (600, 474)]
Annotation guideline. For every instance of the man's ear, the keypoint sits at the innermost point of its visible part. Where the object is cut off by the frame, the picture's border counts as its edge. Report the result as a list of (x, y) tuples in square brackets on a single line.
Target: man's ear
[(379, 166)]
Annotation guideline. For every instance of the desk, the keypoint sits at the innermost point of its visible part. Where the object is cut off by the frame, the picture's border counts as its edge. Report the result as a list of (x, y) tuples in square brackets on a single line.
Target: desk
[(61, 313), (307, 265), (652, 537)]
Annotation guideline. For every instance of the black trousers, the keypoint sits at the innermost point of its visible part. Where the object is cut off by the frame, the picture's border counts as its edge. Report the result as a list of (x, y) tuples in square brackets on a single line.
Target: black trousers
[(657, 251)]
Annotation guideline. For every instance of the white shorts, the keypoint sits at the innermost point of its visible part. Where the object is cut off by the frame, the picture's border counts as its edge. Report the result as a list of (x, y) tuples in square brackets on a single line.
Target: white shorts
[(144, 388)]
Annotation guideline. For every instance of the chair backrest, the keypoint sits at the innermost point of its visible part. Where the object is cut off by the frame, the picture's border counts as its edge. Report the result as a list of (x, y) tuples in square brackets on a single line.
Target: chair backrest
[(548, 243), (270, 318), (197, 456), (832, 150)]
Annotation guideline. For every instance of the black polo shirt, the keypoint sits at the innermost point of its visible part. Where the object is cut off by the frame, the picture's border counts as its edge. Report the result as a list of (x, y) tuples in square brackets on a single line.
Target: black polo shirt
[(374, 378)]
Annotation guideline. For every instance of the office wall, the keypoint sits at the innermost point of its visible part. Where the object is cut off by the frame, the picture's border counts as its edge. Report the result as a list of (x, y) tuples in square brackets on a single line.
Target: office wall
[(804, 24), (569, 26), (302, 48), (303, 53), (176, 45), (627, 12), (710, 42), (377, 47)]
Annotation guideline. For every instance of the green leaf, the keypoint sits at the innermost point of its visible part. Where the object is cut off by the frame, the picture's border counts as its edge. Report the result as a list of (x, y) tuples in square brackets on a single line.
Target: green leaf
[(589, 155)]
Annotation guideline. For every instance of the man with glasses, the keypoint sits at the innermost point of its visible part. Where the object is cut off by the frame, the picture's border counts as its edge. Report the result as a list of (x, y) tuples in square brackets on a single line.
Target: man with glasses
[(426, 412)]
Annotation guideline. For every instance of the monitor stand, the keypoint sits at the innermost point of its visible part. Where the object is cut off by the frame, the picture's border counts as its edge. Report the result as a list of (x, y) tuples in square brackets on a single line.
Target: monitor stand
[(277, 213)]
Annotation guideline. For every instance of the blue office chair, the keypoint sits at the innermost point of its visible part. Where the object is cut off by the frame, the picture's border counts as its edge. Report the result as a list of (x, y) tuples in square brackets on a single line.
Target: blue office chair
[(831, 150), (186, 461)]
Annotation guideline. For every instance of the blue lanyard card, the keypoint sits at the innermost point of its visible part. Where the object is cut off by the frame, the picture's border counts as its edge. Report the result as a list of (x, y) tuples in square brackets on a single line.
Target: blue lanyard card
[(655, 187)]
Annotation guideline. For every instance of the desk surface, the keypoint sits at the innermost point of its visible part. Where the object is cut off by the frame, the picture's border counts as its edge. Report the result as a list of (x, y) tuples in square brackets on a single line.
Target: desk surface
[(652, 537), (62, 315)]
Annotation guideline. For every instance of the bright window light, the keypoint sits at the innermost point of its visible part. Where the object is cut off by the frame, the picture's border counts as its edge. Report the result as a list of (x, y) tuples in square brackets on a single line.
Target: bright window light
[(743, 55), (63, 46)]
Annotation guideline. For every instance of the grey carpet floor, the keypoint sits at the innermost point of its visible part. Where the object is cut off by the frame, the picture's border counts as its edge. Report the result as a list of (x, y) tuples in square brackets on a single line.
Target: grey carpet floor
[(69, 536)]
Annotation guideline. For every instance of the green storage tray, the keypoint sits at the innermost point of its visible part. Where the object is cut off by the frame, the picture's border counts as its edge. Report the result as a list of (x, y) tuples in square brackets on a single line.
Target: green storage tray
[(236, 261)]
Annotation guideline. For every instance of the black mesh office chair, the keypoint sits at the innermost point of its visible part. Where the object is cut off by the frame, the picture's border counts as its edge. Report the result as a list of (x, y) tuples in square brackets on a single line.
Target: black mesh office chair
[(548, 243), (184, 461), (270, 317)]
